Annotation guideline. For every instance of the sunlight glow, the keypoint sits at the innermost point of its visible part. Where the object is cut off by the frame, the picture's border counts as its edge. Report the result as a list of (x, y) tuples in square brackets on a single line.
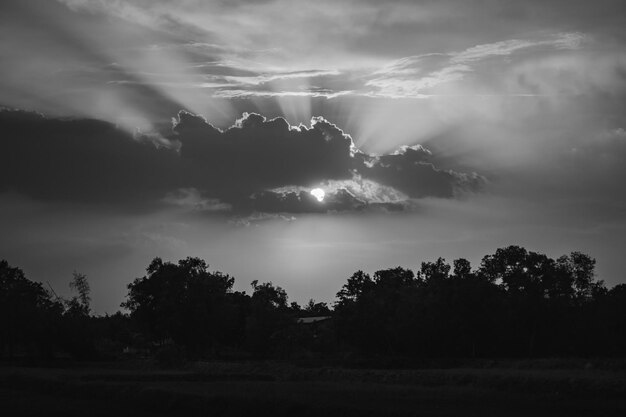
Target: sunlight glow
[(318, 193)]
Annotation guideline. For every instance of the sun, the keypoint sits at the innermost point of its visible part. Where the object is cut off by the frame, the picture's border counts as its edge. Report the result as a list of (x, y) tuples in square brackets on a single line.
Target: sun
[(318, 193)]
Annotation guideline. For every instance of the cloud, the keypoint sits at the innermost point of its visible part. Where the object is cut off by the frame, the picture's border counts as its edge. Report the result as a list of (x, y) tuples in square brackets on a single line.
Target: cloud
[(257, 154), (192, 200), (83, 161), (304, 202), (354, 194), (590, 72), (560, 41), (419, 76), (137, 62), (272, 154), (597, 162), (256, 165), (409, 171)]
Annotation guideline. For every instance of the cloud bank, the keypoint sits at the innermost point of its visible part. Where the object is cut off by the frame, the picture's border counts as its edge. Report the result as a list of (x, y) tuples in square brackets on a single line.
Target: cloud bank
[(257, 165)]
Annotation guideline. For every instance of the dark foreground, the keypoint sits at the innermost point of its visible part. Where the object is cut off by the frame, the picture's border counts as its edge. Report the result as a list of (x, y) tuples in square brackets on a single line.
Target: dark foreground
[(276, 389)]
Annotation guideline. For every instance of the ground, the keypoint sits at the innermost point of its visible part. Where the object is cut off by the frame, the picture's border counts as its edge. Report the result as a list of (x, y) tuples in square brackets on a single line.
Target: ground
[(279, 389)]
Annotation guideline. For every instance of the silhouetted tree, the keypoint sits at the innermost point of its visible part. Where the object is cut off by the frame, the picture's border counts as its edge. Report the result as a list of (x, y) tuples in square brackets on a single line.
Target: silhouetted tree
[(183, 302), (434, 271), (269, 316), (316, 309), (78, 336), (517, 303), (79, 305), (371, 312), (462, 268), (580, 268), (358, 284), (612, 322), (28, 315), (268, 294)]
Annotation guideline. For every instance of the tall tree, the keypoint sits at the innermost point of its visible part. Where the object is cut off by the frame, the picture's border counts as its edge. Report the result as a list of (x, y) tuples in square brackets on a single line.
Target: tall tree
[(183, 302), (81, 303)]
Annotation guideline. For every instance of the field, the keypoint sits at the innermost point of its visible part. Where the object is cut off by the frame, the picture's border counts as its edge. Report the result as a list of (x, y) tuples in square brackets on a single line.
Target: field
[(280, 389)]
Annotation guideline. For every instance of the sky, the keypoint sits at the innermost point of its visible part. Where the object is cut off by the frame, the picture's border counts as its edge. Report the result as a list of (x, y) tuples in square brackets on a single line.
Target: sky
[(142, 128)]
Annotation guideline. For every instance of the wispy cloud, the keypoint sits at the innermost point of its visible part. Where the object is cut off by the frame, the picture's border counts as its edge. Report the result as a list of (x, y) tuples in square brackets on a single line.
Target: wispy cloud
[(508, 47), (417, 76), (243, 93)]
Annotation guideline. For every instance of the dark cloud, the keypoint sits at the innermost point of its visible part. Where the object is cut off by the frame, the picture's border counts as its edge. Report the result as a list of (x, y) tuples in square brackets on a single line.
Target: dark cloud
[(84, 161), (409, 171), (256, 165), (257, 154)]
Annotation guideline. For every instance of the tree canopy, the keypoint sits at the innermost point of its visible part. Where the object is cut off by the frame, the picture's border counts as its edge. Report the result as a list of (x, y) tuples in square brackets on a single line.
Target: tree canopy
[(516, 303)]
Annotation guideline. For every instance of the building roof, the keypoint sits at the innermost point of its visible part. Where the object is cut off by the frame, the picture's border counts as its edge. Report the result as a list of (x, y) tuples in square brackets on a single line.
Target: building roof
[(309, 320)]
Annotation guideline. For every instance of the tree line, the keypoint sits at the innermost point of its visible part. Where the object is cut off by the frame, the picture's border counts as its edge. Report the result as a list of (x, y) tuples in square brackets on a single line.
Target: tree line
[(517, 303)]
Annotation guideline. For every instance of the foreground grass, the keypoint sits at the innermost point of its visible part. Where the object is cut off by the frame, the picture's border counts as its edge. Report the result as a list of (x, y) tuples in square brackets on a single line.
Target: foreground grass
[(278, 389)]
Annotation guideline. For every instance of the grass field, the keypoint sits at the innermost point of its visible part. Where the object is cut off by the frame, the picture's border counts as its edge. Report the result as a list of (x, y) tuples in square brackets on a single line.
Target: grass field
[(279, 389)]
